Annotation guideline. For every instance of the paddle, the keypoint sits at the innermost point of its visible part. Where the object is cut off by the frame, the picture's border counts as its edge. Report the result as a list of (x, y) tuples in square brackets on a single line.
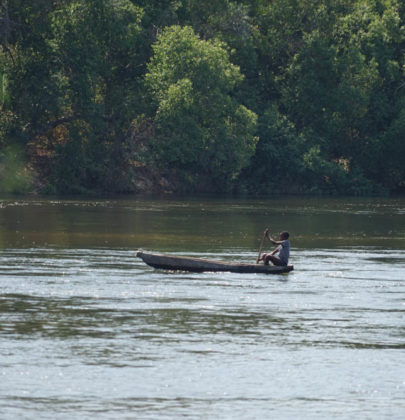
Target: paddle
[(261, 246)]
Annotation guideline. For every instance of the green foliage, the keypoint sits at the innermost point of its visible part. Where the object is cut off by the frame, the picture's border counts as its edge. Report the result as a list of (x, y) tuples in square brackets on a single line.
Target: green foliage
[(4, 96), (83, 71), (333, 69), (15, 176), (277, 164), (253, 95), (201, 131), (95, 44), (391, 166), (333, 177)]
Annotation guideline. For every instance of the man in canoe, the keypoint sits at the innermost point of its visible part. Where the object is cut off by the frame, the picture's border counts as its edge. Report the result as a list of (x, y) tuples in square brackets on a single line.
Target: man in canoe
[(283, 249)]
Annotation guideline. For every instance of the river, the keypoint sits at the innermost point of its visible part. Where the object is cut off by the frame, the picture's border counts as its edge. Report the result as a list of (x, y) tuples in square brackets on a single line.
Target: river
[(89, 331)]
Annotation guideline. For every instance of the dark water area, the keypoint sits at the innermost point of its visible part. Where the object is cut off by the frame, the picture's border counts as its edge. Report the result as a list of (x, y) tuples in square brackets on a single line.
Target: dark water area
[(88, 330), (200, 225)]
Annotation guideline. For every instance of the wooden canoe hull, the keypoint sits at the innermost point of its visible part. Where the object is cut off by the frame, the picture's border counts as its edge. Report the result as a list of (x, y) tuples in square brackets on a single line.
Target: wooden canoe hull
[(198, 265)]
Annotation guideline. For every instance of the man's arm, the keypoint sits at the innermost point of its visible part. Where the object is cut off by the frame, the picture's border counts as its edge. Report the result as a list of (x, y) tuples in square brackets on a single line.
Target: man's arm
[(275, 251), (273, 241)]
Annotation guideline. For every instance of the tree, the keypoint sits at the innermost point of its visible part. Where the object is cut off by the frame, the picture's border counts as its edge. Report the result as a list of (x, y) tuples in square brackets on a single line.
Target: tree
[(202, 132), (335, 70), (325, 78), (75, 83)]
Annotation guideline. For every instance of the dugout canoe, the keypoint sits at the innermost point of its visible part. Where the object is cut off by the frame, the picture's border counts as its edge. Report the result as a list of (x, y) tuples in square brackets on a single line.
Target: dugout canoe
[(198, 265)]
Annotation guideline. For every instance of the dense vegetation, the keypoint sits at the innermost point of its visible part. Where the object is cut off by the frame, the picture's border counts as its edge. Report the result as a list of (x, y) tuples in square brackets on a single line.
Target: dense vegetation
[(258, 96)]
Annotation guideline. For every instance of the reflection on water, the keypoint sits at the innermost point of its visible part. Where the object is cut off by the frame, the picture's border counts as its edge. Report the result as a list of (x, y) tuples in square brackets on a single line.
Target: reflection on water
[(200, 225), (88, 330)]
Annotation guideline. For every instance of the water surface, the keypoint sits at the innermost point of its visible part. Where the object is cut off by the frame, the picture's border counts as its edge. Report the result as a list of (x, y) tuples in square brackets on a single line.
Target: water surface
[(87, 330)]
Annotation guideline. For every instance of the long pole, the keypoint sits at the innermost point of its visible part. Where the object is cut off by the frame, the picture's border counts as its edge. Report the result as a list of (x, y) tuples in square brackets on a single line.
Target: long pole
[(261, 247)]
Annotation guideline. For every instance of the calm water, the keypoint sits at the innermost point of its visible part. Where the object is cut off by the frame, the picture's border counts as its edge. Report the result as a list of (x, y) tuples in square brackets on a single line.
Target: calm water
[(88, 331)]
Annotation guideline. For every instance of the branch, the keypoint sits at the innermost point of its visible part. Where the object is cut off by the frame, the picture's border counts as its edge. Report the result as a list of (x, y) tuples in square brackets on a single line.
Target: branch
[(399, 87), (54, 124)]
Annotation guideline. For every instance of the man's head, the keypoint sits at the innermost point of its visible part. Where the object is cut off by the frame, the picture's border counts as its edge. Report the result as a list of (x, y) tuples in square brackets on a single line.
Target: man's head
[(284, 235)]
